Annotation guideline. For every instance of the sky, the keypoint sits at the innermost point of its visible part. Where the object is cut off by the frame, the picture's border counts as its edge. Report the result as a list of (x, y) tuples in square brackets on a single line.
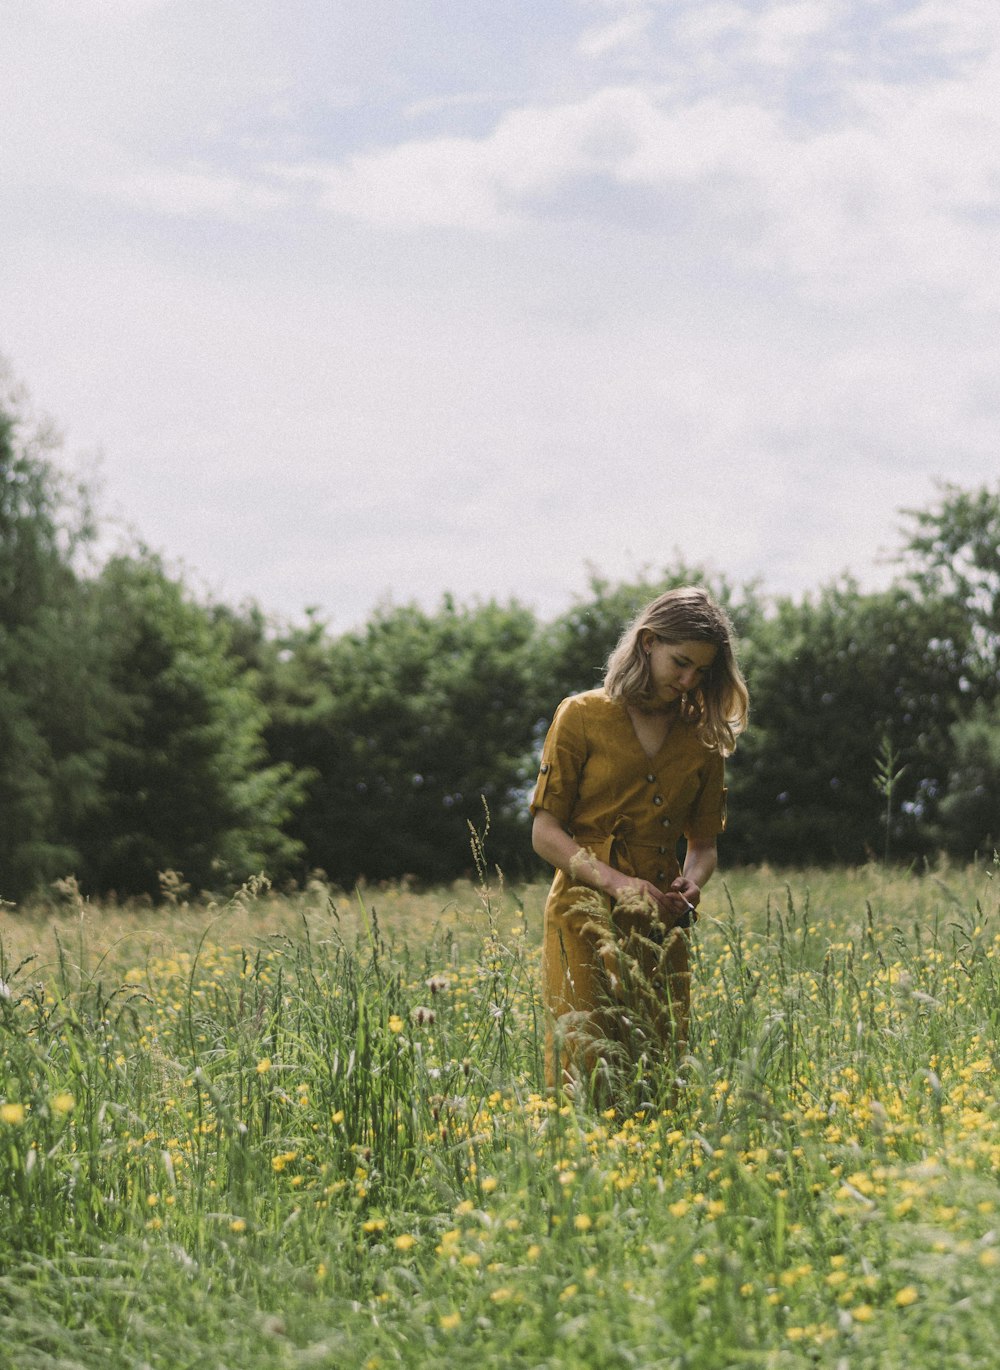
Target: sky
[(343, 302)]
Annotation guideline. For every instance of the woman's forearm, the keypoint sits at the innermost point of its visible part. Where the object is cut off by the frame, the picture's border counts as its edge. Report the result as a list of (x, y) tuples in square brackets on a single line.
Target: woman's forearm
[(554, 844), (700, 862)]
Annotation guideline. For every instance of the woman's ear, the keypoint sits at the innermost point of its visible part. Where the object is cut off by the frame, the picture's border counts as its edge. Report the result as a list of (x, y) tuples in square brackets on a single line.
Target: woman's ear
[(646, 640)]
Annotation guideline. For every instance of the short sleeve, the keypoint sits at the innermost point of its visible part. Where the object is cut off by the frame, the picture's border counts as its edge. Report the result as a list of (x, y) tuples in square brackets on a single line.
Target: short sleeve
[(707, 817), (563, 756)]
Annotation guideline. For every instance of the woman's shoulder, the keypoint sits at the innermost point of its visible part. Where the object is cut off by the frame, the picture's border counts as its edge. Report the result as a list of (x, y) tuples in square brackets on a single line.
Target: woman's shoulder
[(590, 716), (592, 705)]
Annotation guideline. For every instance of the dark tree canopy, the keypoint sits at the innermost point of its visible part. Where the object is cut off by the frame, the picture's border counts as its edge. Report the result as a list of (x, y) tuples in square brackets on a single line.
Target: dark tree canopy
[(186, 786), (50, 677), (831, 679), (407, 728)]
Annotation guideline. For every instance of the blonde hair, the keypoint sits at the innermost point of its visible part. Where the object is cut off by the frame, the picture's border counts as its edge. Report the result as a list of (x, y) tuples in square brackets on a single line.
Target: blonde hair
[(720, 704)]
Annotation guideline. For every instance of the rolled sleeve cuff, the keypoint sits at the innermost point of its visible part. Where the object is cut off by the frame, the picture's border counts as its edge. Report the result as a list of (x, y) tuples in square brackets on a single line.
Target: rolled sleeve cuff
[(548, 794)]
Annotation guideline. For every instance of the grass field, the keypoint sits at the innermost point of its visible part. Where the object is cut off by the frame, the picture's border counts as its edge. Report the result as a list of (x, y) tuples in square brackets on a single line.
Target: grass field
[(312, 1132)]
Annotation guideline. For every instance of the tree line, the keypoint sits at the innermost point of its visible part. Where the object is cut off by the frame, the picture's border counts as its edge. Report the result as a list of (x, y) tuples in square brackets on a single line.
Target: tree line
[(144, 730)]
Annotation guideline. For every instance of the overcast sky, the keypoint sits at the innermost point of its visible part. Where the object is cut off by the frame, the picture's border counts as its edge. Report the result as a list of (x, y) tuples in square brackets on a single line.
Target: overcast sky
[(359, 299)]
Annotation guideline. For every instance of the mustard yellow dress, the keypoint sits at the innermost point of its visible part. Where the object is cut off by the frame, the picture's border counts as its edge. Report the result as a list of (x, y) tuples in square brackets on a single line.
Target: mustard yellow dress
[(630, 810)]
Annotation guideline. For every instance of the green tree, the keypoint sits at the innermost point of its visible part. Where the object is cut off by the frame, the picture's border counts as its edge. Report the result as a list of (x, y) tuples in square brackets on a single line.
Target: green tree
[(953, 553), (186, 786), (970, 808), (407, 726), (836, 679), (50, 678)]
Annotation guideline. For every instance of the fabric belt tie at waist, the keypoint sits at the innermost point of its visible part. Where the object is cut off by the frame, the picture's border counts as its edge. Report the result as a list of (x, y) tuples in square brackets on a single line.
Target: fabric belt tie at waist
[(619, 844)]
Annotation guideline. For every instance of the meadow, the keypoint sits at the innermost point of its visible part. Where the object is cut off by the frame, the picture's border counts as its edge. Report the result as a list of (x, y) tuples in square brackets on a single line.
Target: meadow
[(312, 1130)]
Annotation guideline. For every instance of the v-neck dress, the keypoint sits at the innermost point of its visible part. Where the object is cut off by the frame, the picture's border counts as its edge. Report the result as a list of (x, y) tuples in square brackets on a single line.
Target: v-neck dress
[(631, 811)]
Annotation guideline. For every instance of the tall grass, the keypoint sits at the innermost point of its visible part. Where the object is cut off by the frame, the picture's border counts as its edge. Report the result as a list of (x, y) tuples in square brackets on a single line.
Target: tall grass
[(313, 1132)]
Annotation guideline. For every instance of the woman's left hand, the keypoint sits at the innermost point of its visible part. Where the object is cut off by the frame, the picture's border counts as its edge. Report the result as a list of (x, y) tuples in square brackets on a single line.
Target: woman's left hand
[(683, 895)]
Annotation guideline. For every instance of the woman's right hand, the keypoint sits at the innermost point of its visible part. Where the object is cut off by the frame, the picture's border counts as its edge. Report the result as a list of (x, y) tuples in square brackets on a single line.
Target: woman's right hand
[(554, 844), (629, 889)]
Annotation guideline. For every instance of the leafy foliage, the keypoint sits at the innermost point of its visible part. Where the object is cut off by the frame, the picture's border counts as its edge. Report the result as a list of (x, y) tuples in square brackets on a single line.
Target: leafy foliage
[(832, 677), (184, 786), (407, 728), (953, 554), (50, 681), (970, 810)]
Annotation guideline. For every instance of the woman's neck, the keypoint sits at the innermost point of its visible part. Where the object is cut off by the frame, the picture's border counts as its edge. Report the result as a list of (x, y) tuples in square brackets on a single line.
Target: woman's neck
[(653, 709)]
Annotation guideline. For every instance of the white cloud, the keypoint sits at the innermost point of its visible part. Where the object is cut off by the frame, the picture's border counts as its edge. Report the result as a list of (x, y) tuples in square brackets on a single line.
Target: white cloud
[(460, 100), (902, 197), (437, 183), (782, 30), (196, 193), (622, 33), (947, 28), (491, 183), (699, 27), (905, 198)]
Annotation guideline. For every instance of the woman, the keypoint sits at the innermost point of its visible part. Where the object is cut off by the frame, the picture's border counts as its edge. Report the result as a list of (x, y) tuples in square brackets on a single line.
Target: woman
[(626, 771)]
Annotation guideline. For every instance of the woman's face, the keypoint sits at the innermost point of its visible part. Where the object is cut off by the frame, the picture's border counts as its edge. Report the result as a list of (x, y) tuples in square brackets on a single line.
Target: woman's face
[(676, 667)]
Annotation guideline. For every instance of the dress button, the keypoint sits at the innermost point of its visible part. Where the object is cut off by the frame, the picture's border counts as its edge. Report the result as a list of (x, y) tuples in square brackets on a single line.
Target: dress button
[(657, 799), (651, 777), (666, 822), (544, 769), (663, 851), (661, 875)]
